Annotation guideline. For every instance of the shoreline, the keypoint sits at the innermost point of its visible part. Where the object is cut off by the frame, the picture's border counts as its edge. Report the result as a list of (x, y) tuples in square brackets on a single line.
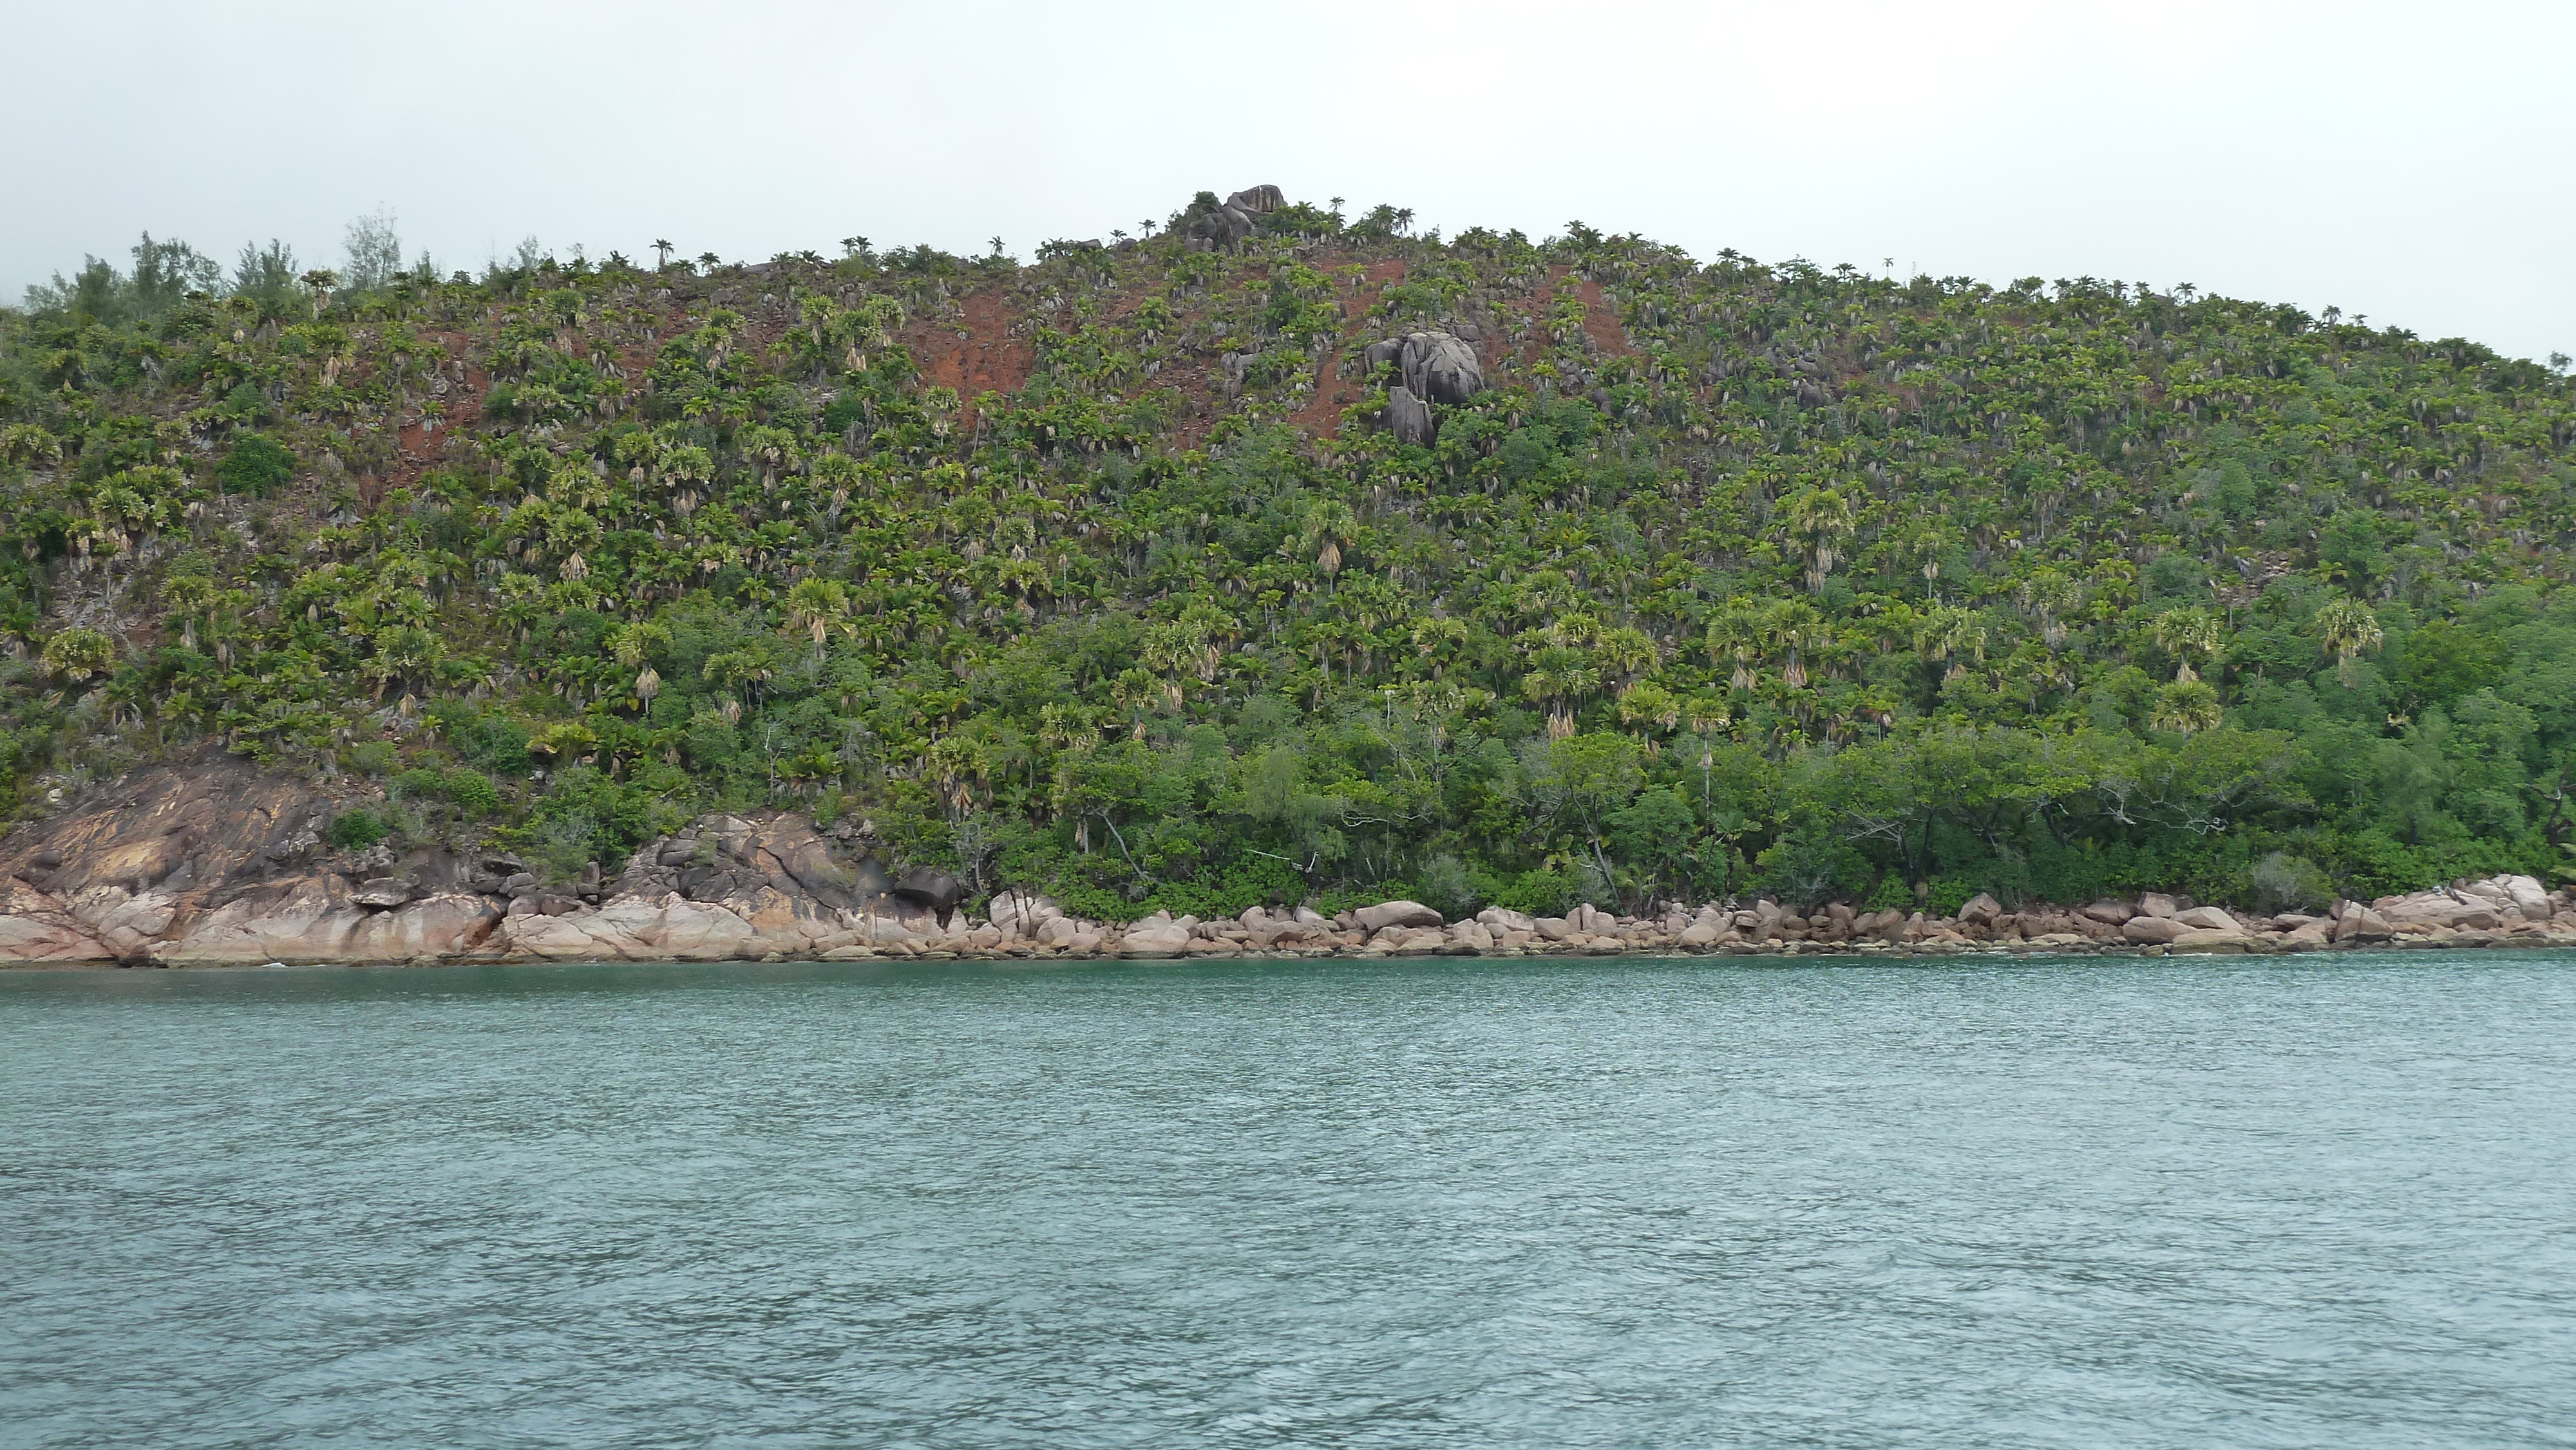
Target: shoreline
[(1784, 951), (224, 865)]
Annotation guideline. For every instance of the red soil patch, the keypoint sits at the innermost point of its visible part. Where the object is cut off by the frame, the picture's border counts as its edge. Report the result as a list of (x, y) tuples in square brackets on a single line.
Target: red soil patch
[(988, 358), (1601, 322), (1600, 318), (1322, 415), (415, 446)]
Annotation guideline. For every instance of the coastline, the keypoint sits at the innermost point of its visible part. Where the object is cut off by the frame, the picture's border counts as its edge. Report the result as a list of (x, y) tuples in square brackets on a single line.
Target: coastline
[(1787, 951), (220, 864)]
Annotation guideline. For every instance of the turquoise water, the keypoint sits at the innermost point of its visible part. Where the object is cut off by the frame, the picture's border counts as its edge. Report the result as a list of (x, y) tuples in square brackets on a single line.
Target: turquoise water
[(1452, 1203)]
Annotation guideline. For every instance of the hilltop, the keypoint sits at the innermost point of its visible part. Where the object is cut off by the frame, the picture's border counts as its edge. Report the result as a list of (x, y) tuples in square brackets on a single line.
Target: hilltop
[(1287, 557)]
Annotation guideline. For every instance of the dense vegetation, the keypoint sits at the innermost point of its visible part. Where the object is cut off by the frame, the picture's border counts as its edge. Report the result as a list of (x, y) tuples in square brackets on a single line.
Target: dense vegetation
[(1738, 577)]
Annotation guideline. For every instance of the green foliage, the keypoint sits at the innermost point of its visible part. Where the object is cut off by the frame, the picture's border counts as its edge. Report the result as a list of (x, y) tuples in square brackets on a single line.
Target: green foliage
[(1535, 892), (256, 465), (492, 742), (373, 757), (78, 653), (2282, 882), (355, 830), (1891, 892), (1737, 577), (587, 816), (470, 790)]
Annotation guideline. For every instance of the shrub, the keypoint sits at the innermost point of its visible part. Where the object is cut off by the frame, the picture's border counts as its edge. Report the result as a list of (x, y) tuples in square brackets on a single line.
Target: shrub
[(375, 757), (587, 816), (472, 791), (1446, 887), (255, 465), (79, 652), (2283, 882), (355, 830), (1892, 891), (1534, 893), (493, 742)]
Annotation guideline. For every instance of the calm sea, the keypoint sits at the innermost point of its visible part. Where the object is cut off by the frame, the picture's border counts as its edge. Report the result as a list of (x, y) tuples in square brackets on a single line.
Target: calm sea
[(2315, 1202)]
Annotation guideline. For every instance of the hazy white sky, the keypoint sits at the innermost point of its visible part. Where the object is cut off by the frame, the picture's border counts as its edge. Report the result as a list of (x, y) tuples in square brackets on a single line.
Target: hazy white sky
[(2408, 162)]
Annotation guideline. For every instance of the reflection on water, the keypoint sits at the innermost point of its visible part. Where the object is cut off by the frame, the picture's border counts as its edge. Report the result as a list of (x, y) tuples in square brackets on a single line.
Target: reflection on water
[(1448, 1203)]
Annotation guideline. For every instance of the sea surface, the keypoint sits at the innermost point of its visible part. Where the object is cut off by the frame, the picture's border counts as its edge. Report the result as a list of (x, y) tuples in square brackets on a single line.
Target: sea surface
[(2211, 1203)]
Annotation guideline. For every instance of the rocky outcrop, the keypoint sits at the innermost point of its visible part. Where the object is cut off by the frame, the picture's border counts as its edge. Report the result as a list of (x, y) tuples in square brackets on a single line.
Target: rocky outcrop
[(2488, 905), (1432, 367), (1226, 223), (1397, 913), (1409, 418), (216, 862), (166, 865), (1441, 368)]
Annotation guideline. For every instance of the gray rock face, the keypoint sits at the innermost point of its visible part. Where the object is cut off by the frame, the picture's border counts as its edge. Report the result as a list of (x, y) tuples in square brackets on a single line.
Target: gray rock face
[(1409, 418), (1258, 200), (1235, 218), (182, 865), (1440, 367), (936, 890), (2358, 923), (1397, 913), (1157, 935), (383, 894), (2472, 905)]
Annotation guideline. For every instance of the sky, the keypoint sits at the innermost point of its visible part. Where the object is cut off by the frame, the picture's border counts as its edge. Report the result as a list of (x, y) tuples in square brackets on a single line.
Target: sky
[(2409, 163)]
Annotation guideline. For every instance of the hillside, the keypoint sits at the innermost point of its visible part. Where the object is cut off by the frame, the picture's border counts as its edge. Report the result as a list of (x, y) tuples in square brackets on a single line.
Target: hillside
[(1127, 573)]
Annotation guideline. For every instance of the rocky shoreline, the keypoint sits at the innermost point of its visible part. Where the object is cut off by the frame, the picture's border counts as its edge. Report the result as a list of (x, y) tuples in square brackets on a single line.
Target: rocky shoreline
[(218, 864)]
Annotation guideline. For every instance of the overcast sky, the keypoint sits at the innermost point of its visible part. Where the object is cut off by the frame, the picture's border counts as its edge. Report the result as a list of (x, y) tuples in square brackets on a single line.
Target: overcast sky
[(2408, 162)]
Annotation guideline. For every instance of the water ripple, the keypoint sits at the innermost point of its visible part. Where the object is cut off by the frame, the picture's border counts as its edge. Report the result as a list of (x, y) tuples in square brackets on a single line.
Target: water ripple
[(1401, 1204)]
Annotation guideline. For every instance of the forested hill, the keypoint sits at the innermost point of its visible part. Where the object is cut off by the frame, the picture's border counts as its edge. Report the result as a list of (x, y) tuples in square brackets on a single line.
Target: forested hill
[(1115, 572)]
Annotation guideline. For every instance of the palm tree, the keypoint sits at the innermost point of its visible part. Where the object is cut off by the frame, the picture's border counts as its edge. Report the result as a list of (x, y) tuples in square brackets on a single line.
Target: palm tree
[(323, 282), (187, 598), (1435, 637), (2186, 706), (662, 250), (1793, 626), (1557, 674), (1820, 516), (1651, 703), (79, 652), (1328, 526), (818, 606), (1736, 634), (2182, 632), (1626, 652), (2350, 627)]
